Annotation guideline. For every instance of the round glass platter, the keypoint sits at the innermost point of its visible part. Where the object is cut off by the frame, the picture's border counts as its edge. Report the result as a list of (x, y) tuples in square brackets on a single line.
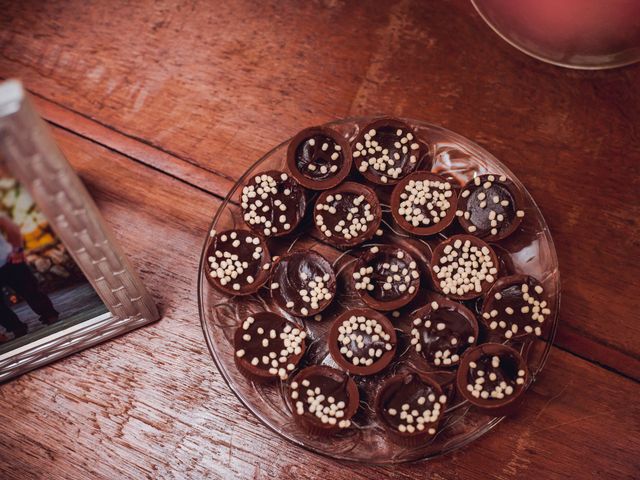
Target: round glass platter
[(529, 250)]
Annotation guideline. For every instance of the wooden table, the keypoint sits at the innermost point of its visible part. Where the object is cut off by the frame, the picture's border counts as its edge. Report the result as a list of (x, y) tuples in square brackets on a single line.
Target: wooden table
[(161, 106)]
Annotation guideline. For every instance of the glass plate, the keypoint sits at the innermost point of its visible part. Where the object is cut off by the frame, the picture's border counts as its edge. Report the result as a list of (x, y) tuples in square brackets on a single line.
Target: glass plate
[(529, 250)]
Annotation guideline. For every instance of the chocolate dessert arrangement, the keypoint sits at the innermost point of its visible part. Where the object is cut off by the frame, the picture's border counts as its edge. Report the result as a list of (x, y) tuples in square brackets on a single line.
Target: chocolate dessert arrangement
[(421, 308)]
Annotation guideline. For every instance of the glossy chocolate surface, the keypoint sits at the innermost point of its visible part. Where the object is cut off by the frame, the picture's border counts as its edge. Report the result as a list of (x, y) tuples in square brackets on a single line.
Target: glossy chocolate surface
[(442, 331), (268, 346), (238, 262), (273, 203), (488, 207), (515, 307), (303, 283), (386, 277), (319, 158), (386, 151), (324, 399), (347, 215)]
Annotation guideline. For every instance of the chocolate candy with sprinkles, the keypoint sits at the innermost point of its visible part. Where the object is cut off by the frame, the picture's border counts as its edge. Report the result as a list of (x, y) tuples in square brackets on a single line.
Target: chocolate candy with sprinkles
[(323, 399), (490, 207), (238, 262), (515, 307), (424, 203), (268, 346), (492, 377), (362, 341), (319, 158), (386, 277), (442, 331), (463, 267), (303, 283), (273, 203), (347, 215), (410, 406), (387, 150)]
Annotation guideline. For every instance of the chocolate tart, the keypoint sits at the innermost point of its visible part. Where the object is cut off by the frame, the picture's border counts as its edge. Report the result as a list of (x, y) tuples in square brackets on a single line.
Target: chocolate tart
[(492, 377), (347, 215), (273, 203), (442, 331), (424, 203), (319, 158), (488, 207), (362, 341), (386, 277), (303, 283), (238, 262), (515, 307), (268, 346), (323, 399), (463, 267), (410, 406), (387, 150)]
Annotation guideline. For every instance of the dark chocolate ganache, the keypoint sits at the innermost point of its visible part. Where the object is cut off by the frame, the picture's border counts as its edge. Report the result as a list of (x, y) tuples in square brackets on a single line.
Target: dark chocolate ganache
[(386, 273), (319, 157), (411, 405), (345, 215), (494, 376), (441, 333), (273, 203), (386, 152), (323, 397), (303, 283), (268, 342), (362, 341), (515, 307), (487, 206)]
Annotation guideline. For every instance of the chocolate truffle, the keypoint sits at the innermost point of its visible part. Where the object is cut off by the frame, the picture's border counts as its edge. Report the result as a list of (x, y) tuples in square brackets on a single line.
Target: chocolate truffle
[(362, 341), (347, 215), (386, 277), (268, 346), (424, 203), (463, 267), (324, 399), (387, 150), (515, 307), (319, 158), (303, 283), (492, 377), (410, 406), (238, 262), (273, 203), (442, 331), (488, 207)]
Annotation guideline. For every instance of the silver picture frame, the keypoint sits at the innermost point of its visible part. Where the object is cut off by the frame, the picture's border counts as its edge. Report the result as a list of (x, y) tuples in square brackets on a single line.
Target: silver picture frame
[(35, 160)]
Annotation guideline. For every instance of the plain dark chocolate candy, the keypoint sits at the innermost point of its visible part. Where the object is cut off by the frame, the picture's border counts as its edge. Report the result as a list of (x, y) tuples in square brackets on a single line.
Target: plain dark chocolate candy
[(273, 203), (238, 262), (515, 307), (319, 158), (424, 203), (489, 207), (268, 346), (386, 277), (323, 399), (463, 267), (303, 283), (362, 341), (347, 215), (387, 150), (492, 377), (442, 331), (410, 406)]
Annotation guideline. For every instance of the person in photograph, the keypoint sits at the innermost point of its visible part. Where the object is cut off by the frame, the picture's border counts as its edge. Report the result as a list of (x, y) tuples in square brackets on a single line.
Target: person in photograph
[(15, 273)]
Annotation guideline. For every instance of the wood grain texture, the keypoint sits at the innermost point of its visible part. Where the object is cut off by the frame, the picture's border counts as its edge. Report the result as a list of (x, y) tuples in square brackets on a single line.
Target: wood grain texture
[(152, 405), (201, 91)]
